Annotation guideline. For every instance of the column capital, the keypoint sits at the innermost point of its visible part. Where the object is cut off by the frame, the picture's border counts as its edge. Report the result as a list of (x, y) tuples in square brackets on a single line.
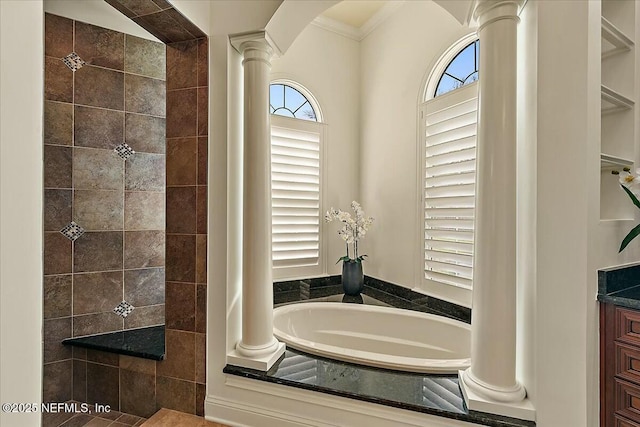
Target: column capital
[(256, 41), (486, 12)]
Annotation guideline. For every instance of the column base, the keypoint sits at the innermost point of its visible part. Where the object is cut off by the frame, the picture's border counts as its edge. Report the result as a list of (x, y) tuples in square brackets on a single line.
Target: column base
[(508, 403), (260, 362)]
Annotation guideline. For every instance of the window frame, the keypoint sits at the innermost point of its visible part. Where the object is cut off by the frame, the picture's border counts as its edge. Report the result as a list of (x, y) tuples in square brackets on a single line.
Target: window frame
[(475, 45), (442, 63), (305, 92), (319, 126), (452, 293)]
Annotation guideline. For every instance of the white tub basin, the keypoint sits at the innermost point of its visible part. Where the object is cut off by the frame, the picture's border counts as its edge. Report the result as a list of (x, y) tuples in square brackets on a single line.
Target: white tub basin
[(383, 337)]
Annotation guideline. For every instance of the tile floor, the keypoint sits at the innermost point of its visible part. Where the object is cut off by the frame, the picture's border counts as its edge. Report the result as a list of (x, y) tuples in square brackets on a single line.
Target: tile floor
[(169, 418), (112, 419), (162, 418)]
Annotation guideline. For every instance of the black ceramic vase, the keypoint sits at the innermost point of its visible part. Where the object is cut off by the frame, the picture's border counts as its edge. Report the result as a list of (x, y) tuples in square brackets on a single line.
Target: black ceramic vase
[(352, 278)]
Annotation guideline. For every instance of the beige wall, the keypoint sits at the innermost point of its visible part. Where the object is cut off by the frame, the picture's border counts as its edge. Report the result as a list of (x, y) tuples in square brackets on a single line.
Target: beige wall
[(572, 242), (395, 58), (21, 85), (328, 65)]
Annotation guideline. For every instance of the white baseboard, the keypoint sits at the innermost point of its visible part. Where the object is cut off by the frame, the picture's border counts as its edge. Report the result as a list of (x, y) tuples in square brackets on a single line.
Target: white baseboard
[(254, 403)]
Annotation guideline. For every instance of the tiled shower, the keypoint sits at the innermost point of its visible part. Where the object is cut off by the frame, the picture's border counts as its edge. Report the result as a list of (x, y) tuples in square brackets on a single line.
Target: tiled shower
[(125, 210), (105, 176)]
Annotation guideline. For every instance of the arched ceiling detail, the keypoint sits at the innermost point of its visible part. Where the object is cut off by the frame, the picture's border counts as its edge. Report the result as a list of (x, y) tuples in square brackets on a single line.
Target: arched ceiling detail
[(292, 16)]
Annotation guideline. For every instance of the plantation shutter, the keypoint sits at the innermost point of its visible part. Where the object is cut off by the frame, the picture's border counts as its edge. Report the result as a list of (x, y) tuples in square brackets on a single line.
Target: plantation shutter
[(295, 190), (449, 123)]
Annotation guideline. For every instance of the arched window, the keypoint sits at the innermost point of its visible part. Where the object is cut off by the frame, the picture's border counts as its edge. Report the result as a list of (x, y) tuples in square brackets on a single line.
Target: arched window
[(462, 70), (296, 190), (448, 118), (287, 101)]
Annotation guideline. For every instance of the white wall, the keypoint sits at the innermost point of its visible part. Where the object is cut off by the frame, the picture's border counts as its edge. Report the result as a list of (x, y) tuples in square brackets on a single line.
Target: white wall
[(235, 17), (96, 12), (572, 242), (329, 66), (290, 19), (562, 271), (395, 59), (21, 188)]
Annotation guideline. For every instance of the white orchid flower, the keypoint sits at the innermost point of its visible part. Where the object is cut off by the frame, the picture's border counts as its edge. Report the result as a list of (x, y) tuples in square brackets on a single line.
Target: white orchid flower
[(352, 229), (630, 181), (627, 179)]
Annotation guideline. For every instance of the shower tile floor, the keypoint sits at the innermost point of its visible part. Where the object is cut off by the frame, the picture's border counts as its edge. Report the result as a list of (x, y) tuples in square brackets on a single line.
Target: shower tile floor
[(163, 418), (112, 419)]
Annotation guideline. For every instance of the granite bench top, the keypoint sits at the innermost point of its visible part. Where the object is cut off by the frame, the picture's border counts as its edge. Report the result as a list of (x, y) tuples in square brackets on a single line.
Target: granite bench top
[(147, 343)]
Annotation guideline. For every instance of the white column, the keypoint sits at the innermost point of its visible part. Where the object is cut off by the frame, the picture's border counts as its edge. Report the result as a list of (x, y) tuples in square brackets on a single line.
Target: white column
[(490, 383), (258, 348)]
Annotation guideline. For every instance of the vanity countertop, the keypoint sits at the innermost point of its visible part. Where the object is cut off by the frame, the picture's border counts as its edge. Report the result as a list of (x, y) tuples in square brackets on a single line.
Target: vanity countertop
[(620, 286)]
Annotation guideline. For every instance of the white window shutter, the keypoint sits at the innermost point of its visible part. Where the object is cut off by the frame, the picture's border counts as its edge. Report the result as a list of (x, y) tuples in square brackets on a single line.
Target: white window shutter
[(450, 124), (296, 197)]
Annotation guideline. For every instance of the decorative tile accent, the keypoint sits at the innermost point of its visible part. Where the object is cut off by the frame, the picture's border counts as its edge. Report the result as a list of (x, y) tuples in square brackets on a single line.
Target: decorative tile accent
[(124, 151), (72, 231), (123, 309), (73, 61)]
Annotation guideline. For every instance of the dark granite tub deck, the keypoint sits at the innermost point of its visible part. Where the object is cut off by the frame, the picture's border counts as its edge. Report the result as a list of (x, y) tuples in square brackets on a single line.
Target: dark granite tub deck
[(438, 395)]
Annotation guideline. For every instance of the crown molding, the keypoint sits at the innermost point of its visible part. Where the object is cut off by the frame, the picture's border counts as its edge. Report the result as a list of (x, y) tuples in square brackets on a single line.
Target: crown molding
[(358, 34), (337, 27), (380, 16)]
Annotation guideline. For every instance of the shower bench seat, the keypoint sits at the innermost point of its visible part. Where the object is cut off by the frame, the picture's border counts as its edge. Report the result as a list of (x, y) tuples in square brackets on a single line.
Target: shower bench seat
[(147, 343)]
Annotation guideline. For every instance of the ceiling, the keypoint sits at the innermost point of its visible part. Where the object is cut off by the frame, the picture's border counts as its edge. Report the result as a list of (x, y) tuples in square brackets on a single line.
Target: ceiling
[(354, 13)]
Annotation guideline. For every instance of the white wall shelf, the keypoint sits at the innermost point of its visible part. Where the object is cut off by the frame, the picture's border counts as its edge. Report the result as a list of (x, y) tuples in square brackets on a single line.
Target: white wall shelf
[(612, 162), (613, 101), (618, 77), (614, 41)]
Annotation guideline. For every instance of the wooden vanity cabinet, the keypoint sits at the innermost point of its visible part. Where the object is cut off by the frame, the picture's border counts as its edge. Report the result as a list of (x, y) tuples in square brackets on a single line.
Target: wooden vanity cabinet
[(619, 366)]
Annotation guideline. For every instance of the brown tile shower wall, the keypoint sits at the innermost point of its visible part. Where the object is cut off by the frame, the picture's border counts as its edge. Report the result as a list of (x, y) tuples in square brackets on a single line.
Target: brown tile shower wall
[(159, 18), (187, 118), (112, 208), (132, 385), (141, 386)]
